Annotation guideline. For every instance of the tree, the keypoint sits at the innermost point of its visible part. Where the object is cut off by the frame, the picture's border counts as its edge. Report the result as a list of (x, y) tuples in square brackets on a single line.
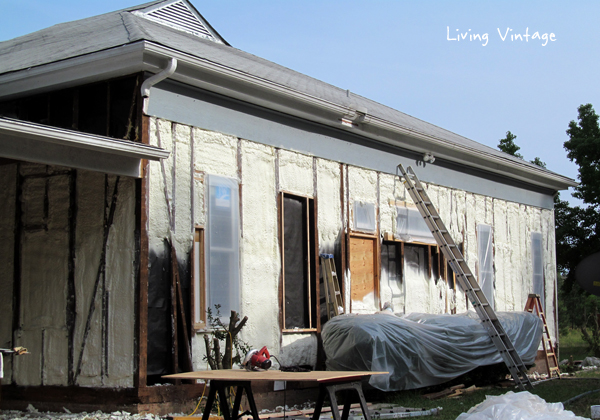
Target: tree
[(584, 150), (227, 333), (537, 161), (507, 145), (578, 228)]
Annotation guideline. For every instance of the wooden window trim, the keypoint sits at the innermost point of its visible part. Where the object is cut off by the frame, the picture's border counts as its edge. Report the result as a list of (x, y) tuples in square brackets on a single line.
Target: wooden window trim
[(313, 306), (199, 239)]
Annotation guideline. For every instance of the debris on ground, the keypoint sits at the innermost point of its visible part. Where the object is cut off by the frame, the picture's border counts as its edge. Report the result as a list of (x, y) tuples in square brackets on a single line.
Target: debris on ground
[(590, 362), (452, 392), (387, 411), (517, 406), (33, 414), (379, 411)]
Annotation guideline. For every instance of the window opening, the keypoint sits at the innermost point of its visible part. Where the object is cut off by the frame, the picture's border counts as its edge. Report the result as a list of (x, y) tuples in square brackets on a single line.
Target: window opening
[(411, 227), (485, 255), (364, 216), (222, 247), (299, 263), (391, 269), (537, 257), (415, 261)]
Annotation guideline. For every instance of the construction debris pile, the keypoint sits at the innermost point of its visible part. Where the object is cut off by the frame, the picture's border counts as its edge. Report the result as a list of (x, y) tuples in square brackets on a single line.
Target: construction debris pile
[(33, 414), (420, 350)]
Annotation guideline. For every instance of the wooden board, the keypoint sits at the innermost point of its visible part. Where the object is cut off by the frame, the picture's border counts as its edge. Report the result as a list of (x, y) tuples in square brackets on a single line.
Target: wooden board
[(362, 267), (273, 375)]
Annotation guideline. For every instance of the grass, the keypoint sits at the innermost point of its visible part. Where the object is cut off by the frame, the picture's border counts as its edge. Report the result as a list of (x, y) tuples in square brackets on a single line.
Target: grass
[(557, 390), (572, 344)]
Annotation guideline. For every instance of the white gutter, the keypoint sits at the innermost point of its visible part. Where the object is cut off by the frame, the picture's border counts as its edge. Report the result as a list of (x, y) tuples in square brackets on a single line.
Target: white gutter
[(330, 113), (79, 140), (148, 56), (29, 142), (148, 83)]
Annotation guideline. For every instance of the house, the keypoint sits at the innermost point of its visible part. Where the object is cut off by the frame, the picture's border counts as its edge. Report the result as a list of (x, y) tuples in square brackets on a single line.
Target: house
[(150, 171)]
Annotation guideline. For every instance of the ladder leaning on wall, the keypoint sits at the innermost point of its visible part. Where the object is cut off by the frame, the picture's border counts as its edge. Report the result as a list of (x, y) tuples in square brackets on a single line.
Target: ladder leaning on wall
[(466, 279), (334, 302), (534, 303)]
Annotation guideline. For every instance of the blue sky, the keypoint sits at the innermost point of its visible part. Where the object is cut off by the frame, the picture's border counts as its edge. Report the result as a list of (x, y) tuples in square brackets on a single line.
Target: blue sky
[(408, 55)]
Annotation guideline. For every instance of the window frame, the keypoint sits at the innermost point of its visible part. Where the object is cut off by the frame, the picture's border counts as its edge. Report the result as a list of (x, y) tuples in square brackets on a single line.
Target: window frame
[(234, 250), (199, 280), (312, 263), (488, 260), (538, 288), (369, 208)]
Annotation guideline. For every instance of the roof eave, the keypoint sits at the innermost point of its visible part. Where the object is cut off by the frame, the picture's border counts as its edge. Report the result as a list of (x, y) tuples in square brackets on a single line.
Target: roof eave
[(88, 68), (21, 140), (218, 78), (230, 82)]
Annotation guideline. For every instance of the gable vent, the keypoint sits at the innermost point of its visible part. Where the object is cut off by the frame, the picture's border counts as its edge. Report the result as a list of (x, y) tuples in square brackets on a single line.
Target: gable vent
[(178, 16)]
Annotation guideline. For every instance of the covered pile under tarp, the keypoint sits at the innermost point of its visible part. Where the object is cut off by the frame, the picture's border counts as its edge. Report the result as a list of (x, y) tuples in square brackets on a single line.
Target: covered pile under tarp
[(420, 350)]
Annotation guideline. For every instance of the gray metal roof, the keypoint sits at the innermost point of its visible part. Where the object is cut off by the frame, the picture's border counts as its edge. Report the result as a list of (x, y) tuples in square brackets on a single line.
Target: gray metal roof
[(87, 36)]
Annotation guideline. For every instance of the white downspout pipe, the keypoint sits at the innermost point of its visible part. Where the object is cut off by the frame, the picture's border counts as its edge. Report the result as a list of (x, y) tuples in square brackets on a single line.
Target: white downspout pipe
[(151, 81)]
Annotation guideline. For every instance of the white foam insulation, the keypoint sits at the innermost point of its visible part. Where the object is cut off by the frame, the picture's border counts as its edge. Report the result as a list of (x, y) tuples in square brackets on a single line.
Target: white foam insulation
[(59, 205), (264, 172)]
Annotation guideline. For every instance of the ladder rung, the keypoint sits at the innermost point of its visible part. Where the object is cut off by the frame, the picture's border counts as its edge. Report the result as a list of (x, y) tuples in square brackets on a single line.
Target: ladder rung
[(466, 279)]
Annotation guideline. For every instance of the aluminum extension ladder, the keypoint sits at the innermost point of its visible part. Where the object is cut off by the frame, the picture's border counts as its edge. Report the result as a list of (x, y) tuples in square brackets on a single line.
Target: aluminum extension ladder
[(534, 303), (466, 279)]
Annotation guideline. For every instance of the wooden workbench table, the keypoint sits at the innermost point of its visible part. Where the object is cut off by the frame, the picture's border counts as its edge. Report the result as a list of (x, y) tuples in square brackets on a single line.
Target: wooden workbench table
[(329, 382)]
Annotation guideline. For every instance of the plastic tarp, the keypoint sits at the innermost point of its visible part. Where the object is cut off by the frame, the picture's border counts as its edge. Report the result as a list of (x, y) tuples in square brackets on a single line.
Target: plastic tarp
[(517, 406), (420, 350)]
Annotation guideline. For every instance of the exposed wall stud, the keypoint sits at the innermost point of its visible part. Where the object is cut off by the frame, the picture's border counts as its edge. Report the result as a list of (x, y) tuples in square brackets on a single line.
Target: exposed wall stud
[(71, 309)]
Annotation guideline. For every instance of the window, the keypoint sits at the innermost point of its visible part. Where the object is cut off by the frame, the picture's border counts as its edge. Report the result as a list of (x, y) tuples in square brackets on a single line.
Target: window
[(537, 259), (299, 263), (364, 216), (222, 247), (485, 255), (391, 270), (411, 227)]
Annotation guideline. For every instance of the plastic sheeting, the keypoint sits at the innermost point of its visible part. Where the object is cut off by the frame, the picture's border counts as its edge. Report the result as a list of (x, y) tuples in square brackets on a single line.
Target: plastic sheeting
[(517, 406), (420, 350)]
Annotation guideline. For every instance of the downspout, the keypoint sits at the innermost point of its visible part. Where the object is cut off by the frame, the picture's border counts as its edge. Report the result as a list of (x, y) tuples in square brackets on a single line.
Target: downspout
[(148, 83)]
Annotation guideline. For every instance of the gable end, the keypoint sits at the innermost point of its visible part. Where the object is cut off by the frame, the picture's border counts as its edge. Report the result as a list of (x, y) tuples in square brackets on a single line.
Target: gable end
[(178, 15)]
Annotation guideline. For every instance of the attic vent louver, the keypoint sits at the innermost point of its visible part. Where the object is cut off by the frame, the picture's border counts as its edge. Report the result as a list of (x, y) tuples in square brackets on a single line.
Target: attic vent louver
[(177, 15)]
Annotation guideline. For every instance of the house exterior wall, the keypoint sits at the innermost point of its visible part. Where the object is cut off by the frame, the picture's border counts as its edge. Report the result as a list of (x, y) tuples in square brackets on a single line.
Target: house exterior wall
[(52, 225), (264, 172), (198, 108)]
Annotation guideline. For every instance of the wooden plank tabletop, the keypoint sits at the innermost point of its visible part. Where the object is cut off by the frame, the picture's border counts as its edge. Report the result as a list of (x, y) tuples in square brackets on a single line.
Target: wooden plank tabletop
[(272, 375)]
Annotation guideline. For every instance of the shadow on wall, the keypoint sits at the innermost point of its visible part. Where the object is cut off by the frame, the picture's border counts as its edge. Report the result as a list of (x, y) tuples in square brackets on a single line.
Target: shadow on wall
[(160, 334)]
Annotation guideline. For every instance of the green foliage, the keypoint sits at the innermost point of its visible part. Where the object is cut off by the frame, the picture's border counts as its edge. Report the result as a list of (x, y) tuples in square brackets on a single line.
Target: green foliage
[(578, 228), (584, 149), (224, 333), (537, 161), (551, 391), (507, 145), (590, 328)]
